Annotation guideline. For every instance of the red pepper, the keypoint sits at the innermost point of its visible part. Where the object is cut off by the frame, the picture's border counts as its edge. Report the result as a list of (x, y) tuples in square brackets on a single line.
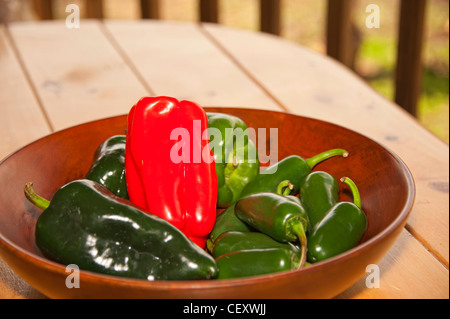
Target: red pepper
[(166, 176)]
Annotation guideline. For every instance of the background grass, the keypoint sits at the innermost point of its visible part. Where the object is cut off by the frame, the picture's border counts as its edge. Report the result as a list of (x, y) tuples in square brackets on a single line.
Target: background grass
[(304, 22)]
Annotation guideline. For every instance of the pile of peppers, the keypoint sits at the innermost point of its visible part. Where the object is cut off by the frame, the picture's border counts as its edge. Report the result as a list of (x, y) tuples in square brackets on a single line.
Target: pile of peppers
[(147, 207)]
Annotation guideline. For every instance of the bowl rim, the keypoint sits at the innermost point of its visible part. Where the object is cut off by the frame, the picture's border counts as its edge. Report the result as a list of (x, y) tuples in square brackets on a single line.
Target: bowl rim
[(85, 275)]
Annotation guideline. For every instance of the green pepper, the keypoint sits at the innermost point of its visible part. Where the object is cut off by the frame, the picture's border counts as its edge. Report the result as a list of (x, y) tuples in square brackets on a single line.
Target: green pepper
[(233, 241), (228, 221), (108, 168), (292, 168), (318, 193), (235, 156), (276, 216), (340, 230), (86, 225), (255, 262)]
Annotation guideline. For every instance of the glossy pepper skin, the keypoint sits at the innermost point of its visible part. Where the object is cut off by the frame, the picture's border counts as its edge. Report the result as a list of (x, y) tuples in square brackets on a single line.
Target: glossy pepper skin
[(235, 156), (233, 241), (228, 221), (169, 166), (340, 230), (108, 168), (292, 168), (318, 193), (247, 263), (277, 216), (86, 225)]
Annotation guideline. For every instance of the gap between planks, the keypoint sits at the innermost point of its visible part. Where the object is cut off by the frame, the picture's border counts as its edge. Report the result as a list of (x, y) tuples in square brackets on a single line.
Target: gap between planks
[(210, 37), (426, 245), (127, 60), (222, 48), (240, 66), (140, 78), (27, 76)]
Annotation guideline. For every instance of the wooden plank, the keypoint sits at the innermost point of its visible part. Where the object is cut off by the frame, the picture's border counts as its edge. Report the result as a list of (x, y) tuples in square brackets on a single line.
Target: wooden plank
[(94, 9), (339, 31), (407, 272), (408, 75), (22, 119), (77, 69), (201, 73), (312, 85), (209, 11), (43, 9), (150, 9), (270, 11)]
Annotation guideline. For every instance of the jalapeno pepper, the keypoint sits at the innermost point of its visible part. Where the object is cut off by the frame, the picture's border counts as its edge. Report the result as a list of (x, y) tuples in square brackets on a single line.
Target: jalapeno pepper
[(86, 225), (318, 193), (276, 216), (233, 241), (292, 168), (235, 156), (246, 263), (108, 168), (340, 230), (228, 221)]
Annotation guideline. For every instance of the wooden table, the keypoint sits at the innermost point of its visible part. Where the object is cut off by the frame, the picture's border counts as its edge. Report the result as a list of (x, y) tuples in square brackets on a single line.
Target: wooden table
[(53, 77)]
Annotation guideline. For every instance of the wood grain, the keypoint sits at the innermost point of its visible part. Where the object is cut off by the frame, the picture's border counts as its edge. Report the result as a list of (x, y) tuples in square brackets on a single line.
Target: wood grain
[(21, 122), (77, 73), (270, 12), (209, 10), (339, 31), (408, 73), (150, 9), (407, 272), (185, 64), (22, 119), (313, 85), (64, 156), (53, 78)]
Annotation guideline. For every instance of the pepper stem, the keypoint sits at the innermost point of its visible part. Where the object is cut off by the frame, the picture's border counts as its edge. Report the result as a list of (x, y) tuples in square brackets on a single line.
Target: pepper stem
[(354, 189), (35, 199), (300, 232), (313, 161), (285, 188)]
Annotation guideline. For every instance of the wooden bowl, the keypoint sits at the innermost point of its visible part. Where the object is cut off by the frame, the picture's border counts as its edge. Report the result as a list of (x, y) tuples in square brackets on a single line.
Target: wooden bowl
[(385, 183)]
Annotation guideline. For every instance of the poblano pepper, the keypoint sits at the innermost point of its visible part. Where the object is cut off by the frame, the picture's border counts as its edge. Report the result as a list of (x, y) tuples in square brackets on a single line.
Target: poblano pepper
[(108, 168), (86, 225), (235, 156), (340, 230)]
